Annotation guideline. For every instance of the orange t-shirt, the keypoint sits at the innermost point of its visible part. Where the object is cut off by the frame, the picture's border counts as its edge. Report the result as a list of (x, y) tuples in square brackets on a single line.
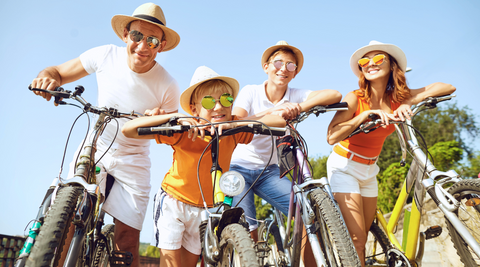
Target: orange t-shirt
[(368, 145), (181, 180)]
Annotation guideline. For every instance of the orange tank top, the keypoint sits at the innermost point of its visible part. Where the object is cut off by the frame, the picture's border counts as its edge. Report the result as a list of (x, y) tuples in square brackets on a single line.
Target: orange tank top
[(368, 145)]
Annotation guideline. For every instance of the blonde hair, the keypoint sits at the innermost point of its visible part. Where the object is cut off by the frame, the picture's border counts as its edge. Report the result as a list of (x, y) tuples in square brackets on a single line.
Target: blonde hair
[(210, 87), (397, 89)]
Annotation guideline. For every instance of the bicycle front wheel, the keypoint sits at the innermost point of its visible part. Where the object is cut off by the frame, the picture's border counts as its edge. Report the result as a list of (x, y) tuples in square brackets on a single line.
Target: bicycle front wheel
[(467, 193), (104, 247), (49, 243), (337, 246), (236, 247)]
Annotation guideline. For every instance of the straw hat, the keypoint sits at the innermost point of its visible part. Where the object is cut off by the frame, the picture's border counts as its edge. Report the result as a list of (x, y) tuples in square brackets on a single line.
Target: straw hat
[(151, 13), (201, 75), (279, 45), (391, 49)]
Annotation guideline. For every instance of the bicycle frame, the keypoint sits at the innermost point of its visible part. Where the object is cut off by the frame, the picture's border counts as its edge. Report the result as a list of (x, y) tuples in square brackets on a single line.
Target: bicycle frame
[(302, 185), (427, 179)]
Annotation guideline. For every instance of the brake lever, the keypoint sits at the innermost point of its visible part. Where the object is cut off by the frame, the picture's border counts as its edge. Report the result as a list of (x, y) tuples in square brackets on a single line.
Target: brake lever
[(58, 93)]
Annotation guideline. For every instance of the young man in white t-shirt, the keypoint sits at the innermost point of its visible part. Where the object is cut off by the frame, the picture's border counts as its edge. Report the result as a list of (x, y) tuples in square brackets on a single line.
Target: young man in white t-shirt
[(128, 79), (281, 63)]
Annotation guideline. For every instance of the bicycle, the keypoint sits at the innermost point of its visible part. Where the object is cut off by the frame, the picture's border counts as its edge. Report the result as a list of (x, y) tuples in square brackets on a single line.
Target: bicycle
[(458, 199), (75, 203), (223, 232), (315, 208)]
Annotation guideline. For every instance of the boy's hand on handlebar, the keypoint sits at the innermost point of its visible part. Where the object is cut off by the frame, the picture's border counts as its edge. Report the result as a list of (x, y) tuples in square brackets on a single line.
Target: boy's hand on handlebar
[(403, 112), (194, 131), (46, 83), (153, 112), (287, 111)]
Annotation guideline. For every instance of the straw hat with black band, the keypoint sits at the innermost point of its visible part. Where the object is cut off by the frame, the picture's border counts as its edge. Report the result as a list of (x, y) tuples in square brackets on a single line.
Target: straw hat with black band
[(282, 44), (391, 49), (201, 75), (151, 13)]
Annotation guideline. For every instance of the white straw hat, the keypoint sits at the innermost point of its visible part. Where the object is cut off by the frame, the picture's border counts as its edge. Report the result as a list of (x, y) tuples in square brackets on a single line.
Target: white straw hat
[(280, 44), (391, 49), (201, 75), (151, 13)]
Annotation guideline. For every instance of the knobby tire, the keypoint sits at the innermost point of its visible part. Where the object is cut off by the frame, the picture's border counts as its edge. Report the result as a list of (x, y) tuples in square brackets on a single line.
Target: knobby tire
[(382, 244), (338, 239), (104, 249), (236, 247), (274, 242), (469, 215), (49, 243)]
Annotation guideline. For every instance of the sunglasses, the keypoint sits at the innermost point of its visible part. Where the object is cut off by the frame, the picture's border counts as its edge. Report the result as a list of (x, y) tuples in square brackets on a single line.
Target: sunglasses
[(278, 64), (208, 102), (152, 41), (377, 60)]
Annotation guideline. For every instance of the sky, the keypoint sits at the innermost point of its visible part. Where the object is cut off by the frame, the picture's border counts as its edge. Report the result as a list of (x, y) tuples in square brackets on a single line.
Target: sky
[(440, 39)]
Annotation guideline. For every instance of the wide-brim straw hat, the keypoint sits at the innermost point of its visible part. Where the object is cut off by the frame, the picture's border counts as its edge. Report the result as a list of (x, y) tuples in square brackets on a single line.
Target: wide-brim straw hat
[(201, 75), (283, 44), (391, 49), (151, 13)]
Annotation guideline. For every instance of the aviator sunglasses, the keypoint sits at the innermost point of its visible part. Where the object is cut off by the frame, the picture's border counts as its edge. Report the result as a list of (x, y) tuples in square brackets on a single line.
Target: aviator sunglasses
[(377, 60), (152, 41), (278, 64), (226, 100)]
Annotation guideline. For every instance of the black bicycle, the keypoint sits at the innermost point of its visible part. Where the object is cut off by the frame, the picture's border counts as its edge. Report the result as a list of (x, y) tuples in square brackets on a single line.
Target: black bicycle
[(74, 204)]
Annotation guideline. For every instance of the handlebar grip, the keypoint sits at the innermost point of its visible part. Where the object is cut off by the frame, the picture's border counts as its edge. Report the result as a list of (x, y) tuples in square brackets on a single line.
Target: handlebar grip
[(337, 105), (144, 131)]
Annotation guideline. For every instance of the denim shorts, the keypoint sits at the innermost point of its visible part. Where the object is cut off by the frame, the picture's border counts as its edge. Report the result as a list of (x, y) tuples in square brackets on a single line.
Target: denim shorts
[(270, 187)]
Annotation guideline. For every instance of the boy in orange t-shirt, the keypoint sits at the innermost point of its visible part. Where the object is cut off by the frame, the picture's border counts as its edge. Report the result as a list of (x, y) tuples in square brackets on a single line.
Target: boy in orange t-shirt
[(178, 203)]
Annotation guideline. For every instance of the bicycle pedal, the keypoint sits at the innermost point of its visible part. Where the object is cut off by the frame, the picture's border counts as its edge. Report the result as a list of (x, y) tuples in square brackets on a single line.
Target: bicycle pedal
[(433, 231), (262, 246), (121, 258)]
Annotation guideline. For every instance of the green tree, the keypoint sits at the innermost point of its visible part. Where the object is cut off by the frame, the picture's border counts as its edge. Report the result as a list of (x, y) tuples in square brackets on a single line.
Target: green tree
[(319, 166), (446, 155), (442, 124), (264, 210), (152, 252), (389, 185)]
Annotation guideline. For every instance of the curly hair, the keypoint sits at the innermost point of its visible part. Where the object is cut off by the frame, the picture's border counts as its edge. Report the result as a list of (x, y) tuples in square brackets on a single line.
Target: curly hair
[(397, 88)]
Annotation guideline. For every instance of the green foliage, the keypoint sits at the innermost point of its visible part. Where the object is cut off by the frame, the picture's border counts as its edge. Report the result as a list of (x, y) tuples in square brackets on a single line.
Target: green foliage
[(389, 185), (319, 166), (152, 252), (442, 124), (446, 155), (264, 209), (472, 169)]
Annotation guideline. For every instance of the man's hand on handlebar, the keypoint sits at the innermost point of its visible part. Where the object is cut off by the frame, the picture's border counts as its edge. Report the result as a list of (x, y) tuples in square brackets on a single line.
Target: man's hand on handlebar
[(46, 83)]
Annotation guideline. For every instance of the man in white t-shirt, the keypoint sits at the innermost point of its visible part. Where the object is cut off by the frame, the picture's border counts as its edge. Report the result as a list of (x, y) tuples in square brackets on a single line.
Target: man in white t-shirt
[(281, 62), (128, 79)]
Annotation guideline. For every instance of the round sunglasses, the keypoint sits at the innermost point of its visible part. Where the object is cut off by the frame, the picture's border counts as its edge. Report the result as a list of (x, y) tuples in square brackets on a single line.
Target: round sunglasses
[(152, 41), (377, 60), (208, 102), (278, 64)]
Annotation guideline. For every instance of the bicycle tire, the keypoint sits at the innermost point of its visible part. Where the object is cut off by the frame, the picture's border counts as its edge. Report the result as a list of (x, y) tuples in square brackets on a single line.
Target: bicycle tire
[(236, 247), (102, 252), (380, 241), (338, 247), (269, 232), (469, 215), (49, 242)]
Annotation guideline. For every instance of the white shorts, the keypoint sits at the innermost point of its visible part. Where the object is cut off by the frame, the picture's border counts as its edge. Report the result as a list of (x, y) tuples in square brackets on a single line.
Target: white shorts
[(128, 198), (176, 224), (348, 176)]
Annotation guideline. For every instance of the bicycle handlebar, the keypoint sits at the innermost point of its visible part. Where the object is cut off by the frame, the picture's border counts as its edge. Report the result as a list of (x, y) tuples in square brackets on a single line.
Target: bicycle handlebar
[(168, 130), (429, 103), (59, 93), (320, 109)]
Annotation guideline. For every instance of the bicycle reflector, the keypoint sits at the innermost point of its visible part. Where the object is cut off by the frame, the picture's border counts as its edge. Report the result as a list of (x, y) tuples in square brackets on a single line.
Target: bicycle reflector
[(232, 183)]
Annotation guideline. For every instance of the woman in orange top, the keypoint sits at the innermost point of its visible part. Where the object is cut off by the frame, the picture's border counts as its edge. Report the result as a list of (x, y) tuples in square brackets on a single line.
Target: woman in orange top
[(352, 167)]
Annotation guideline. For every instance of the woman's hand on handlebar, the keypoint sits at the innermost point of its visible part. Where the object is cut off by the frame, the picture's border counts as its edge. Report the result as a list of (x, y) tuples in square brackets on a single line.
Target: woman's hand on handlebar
[(287, 111), (403, 112), (382, 115)]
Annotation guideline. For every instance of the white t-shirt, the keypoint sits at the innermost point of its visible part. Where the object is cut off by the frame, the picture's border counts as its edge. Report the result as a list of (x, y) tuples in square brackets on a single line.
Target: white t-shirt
[(127, 160), (121, 88), (253, 99)]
